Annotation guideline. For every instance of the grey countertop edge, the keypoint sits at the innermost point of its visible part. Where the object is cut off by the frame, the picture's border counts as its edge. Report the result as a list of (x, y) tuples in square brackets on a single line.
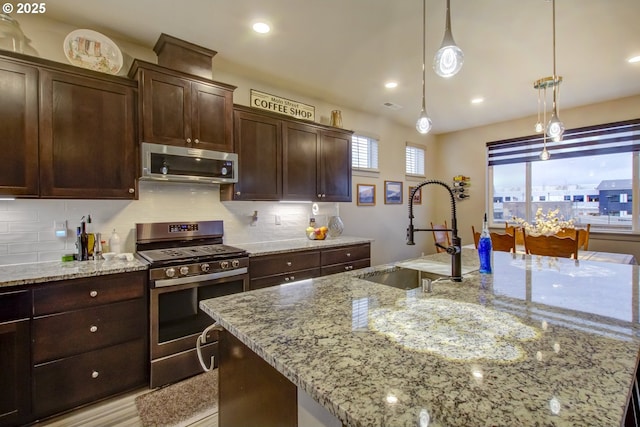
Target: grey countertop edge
[(28, 274), (293, 245), (51, 271)]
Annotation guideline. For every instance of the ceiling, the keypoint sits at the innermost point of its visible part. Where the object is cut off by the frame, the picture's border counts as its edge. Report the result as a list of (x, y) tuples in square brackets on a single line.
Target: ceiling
[(343, 51)]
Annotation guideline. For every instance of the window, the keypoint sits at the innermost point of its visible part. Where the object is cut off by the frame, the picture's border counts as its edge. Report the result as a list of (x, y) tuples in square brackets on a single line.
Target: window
[(589, 178), (414, 160), (364, 152)]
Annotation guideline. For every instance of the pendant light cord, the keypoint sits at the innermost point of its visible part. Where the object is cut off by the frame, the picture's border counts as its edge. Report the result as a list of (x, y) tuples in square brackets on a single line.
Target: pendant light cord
[(555, 76), (424, 48)]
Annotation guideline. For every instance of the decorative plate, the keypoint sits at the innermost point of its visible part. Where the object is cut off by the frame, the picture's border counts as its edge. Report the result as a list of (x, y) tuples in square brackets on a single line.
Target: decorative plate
[(92, 50)]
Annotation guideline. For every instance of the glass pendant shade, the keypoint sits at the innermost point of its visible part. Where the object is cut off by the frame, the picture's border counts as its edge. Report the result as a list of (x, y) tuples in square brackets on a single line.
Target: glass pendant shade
[(545, 154), (555, 128), (449, 58), (423, 125)]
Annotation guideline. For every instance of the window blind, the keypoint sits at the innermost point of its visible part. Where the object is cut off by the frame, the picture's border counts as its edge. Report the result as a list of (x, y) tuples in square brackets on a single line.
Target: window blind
[(414, 158), (364, 152), (618, 137)]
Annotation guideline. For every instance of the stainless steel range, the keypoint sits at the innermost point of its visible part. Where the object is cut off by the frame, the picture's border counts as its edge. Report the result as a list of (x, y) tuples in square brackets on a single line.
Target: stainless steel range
[(188, 263)]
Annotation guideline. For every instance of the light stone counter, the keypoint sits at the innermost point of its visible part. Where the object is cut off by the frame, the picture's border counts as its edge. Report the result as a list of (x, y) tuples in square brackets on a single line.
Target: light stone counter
[(542, 341), (40, 272), (292, 245)]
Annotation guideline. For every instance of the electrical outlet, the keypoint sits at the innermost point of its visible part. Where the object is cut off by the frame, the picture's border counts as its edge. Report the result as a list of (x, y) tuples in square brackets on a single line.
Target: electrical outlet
[(278, 221)]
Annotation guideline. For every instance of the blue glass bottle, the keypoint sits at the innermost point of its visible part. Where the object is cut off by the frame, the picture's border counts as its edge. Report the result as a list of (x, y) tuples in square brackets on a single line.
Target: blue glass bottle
[(485, 249)]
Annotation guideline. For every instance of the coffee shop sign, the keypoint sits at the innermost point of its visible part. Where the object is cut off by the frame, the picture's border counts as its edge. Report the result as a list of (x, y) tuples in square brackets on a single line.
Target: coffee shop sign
[(265, 101)]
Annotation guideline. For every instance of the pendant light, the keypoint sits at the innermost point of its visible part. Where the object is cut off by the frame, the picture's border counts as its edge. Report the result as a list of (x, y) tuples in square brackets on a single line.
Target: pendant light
[(423, 125), (449, 58), (555, 128)]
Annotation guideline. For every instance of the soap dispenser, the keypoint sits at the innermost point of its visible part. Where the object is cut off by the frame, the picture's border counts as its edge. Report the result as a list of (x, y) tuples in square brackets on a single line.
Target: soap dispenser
[(114, 242)]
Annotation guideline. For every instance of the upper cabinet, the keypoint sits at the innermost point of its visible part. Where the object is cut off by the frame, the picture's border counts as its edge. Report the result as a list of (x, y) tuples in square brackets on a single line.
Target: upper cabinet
[(18, 129), (286, 159), (66, 132), (183, 110), (87, 137)]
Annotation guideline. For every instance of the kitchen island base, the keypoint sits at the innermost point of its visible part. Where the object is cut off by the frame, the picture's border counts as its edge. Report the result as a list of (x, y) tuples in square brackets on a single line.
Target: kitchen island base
[(252, 392)]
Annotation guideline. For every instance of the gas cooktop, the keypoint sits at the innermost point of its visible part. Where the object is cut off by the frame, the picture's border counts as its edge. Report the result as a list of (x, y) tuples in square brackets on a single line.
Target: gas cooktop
[(189, 253)]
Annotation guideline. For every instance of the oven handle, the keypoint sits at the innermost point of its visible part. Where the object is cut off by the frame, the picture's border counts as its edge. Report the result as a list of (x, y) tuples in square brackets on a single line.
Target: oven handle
[(202, 278)]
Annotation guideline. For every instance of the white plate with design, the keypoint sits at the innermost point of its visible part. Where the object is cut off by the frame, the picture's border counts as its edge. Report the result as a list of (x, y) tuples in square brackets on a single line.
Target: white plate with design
[(92, 50)]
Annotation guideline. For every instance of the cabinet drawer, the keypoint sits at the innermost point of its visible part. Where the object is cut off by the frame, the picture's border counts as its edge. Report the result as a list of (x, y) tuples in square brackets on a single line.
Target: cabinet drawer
[(269, 265), (88, 292), (69, 382), (281, 279), (345, 254), (60, 335), (15, 306), (348, 266)]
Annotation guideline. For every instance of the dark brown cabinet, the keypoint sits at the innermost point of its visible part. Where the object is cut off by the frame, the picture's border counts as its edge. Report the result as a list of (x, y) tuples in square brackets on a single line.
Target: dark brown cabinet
[(317, 164), (89, 340), (66, 132), (286, 159), (18, 129), (278, 269), (183, 110), (346, 258), (87, 137), (15, 398), (258, 144)]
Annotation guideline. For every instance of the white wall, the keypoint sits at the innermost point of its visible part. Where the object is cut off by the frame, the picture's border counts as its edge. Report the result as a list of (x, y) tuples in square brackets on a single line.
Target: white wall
[(26, 226)]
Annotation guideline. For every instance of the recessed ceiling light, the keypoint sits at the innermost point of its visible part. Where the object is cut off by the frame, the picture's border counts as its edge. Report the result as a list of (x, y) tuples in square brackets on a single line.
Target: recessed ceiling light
[(634, 59), (261, 27), (390, 85), (478, 100)]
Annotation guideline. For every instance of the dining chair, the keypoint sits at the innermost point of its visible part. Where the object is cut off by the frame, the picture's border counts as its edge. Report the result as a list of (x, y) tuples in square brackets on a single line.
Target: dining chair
[(476, 236), (552, 245), (583, 241), (441, 237), (503, 242), (516, 231)]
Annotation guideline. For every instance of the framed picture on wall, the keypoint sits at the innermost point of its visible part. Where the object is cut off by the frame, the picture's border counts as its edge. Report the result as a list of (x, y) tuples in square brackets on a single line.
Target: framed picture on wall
[(366, 195), (393, 192), (417, 198)]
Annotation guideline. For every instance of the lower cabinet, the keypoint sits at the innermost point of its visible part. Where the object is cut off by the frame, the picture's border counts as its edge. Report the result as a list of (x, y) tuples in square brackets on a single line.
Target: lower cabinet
[(89, 340), (277, 269), (15, 397), (68, 343)]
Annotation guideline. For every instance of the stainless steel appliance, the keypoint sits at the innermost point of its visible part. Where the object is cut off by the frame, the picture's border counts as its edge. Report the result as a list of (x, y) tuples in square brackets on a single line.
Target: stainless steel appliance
[(187, 164), (188, 263)]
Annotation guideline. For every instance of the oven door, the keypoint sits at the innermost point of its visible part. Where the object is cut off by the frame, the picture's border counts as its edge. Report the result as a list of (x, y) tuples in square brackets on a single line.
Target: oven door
[(176, 321)]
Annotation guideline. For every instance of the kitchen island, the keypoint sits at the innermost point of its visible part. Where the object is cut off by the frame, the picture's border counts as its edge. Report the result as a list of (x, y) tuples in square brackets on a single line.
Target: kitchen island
[(542, 341)]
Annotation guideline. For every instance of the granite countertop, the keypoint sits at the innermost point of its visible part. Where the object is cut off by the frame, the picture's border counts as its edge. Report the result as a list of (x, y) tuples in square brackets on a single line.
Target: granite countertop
[(40, 272), (291, 245), (542, 341)]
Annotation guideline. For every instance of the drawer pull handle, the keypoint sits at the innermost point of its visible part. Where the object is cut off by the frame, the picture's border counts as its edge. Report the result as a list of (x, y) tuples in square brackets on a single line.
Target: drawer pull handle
[(93, 294), (93, 328), (293, 278), (288, 263), (286, 279), (348, 254), (94, 374)]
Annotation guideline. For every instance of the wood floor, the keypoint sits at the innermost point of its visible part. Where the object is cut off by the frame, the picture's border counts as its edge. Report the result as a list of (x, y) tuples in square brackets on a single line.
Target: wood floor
[(120, 411)]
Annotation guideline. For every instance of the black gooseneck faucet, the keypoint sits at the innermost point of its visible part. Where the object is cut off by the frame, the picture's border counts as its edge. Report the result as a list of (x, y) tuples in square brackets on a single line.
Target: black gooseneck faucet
[(456, 243)]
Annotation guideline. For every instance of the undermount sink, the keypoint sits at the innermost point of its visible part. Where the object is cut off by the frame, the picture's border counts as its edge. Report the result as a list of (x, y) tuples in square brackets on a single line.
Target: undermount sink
[(401, 278)]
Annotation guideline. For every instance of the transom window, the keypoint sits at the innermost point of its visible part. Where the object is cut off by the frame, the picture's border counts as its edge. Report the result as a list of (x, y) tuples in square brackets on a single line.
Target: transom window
[(364, 153), (591, 177), (414, 160)]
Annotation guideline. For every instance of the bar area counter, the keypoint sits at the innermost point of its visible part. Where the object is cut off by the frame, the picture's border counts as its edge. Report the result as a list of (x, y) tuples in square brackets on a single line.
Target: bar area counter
[(541, 342)]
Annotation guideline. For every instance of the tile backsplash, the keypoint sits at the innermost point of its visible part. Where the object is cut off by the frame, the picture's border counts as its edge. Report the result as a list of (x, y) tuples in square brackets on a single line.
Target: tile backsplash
[(27, 226)]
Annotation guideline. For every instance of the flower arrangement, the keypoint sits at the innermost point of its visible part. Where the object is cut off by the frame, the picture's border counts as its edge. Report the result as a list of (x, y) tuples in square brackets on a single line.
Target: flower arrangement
[(545, 224)]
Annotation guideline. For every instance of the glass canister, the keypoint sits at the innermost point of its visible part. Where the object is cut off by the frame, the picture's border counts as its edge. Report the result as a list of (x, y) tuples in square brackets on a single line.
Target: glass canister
[(336, 227), (12, 38)]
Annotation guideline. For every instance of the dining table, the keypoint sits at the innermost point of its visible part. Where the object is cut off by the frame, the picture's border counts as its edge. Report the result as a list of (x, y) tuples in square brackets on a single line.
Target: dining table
[(599, 256)]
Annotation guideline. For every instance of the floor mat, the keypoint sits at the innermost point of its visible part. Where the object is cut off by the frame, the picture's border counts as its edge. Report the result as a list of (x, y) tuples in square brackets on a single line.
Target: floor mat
[(180, 404)]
